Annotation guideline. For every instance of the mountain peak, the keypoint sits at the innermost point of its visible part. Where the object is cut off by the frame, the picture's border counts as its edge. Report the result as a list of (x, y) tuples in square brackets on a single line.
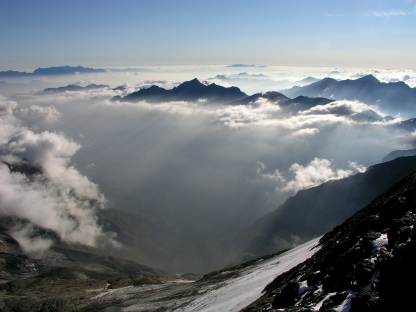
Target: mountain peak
[(368, 79), (190, 85)]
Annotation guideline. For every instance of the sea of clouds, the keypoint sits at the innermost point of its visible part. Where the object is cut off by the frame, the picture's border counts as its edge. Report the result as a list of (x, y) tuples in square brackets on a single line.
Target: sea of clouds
[(217, 167)]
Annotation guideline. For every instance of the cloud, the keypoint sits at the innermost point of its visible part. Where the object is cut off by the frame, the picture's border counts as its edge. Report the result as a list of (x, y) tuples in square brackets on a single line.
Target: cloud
[(315, 173), (306, 132), (31, 243), (36, 115), (48, 205), (6, 107), (189, 163), (358, 167), (59, 197), (393, 13), (332, 15), (339, 108), (51, 153)]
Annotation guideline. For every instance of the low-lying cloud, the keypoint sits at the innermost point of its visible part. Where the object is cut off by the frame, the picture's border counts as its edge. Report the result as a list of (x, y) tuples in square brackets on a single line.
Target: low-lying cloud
[(54, 195), (315, 173), (189, 163)]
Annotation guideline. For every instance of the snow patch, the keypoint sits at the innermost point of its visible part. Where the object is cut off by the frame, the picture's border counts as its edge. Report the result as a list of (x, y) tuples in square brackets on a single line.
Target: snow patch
[(379, 243)]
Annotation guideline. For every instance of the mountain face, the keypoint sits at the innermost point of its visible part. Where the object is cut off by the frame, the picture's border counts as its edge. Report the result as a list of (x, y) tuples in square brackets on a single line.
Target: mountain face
[(391, 97), (315, 211), (364, 264), (190, 91), (399, 153)]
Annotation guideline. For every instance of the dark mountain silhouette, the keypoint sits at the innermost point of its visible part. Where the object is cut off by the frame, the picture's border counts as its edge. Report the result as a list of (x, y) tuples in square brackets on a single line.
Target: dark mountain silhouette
[(315, 211), (73, 87), (307, 80), (190, 91), (392, 98), (288, 105), (399, 153), (51, 71), (408, 125)]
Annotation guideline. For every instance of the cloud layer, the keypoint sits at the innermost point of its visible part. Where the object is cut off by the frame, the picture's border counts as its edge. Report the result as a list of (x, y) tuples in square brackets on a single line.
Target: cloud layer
[(196, 166)]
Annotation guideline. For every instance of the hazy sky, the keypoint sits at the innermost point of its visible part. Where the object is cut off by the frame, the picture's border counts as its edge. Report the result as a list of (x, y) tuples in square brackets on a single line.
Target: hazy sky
[(364, 33)]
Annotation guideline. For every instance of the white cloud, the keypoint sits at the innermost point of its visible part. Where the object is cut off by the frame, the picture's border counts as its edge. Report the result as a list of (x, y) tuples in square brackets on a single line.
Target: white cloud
[(315, 173), (48, 205), (31, 244), (60, 199), (393, 13), (358, 167), (306, 132), (35, 114), (50, 152), (6, 107)]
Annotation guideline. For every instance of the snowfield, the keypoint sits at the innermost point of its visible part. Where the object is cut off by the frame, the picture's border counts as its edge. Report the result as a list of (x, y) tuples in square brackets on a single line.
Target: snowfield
[(238, 293), (231, 291)]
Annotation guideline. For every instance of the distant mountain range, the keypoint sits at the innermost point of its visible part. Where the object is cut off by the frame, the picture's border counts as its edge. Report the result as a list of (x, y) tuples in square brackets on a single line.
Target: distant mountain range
[(74, 87), (392, 97), (204, 93), (51, 71)]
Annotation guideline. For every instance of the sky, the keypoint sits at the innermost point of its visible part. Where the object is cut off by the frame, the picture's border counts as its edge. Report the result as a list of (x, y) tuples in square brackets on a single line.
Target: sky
[(378, 34)]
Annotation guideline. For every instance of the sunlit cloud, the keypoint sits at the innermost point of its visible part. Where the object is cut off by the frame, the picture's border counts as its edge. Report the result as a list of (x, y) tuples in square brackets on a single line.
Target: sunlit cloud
[(58, 197), (315, 173)]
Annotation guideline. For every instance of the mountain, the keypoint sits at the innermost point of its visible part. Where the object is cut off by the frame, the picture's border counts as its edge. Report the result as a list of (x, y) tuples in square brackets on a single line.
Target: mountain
[(190, 91), (74, 87), (315, 211), (65, 278), (392, 97), (399, 153), (364, 264), (51, 71)]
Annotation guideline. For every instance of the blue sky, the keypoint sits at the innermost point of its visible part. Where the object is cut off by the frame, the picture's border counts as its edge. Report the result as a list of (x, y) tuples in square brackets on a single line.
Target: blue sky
[(365, 33)]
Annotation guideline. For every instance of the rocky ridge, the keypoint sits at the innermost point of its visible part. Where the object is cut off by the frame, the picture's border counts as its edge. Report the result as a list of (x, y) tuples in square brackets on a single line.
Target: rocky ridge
[(364, 264)]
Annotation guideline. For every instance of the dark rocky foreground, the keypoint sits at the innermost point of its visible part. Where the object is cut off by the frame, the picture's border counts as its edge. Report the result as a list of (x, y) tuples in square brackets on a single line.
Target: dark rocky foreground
[(365, 264)]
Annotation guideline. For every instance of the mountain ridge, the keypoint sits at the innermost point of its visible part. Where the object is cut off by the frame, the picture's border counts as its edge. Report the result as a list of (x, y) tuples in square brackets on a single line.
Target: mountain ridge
[(391, 97)]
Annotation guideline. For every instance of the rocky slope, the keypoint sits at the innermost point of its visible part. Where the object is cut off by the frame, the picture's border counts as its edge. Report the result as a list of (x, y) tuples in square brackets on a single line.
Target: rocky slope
[(365, 264)]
